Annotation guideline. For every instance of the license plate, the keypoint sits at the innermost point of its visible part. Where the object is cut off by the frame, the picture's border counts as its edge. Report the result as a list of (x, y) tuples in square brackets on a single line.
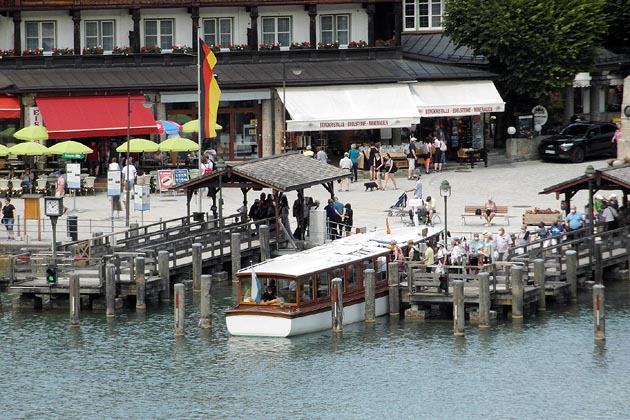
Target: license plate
[(550, 152)]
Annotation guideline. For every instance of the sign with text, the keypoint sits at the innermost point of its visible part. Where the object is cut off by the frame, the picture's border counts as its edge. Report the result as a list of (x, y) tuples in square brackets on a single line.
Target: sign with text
[(180, 176), (165, 179), (141, 201), (73, 175), (446, 111), (362, 124), (113, 183)]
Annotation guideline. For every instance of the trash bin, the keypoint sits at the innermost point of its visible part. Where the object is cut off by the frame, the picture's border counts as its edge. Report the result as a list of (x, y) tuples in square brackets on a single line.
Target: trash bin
[(199, 216), (73, 227)]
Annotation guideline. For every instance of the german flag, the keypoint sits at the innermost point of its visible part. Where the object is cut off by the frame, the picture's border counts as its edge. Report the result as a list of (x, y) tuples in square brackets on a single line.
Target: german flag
[(209, 92)]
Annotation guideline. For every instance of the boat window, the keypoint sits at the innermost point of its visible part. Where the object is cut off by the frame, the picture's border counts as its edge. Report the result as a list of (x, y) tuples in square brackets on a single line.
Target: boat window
[(381, 273), (306, 289), (287, 290), (338, 273), (322, 285), (352, 277), (246, 288)]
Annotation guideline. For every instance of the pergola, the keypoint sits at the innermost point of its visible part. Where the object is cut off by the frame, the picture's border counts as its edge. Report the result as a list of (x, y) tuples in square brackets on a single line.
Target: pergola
[(280, 173)]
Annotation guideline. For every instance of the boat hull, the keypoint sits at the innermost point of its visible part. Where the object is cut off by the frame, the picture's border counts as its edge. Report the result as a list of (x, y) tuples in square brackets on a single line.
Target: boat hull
[(261, 324)]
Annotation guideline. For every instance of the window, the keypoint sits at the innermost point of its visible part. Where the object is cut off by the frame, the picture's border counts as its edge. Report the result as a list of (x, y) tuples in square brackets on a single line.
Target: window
[(40, 35), (100, 33), (276, 29), (423, 14), (352, 278), (306, 288), (335, 28), (158, 32), (322, 285), (217, 31)]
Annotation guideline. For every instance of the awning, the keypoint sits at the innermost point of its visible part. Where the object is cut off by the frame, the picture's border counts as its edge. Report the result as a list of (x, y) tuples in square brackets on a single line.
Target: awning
[(96, 116), (349, 107), (9, 107), (456, 98)]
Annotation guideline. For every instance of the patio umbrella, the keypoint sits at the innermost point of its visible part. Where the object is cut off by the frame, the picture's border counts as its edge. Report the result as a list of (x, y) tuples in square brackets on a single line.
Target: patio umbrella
[(69, 147), (168, 127), (28, 148), (4, 150), (178, 144), (33, 132), (138, 146), (192, 126)]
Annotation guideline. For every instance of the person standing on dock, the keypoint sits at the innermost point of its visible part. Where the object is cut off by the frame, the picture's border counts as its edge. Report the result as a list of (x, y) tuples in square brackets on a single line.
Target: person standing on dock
[(8, 218), (60, 187)]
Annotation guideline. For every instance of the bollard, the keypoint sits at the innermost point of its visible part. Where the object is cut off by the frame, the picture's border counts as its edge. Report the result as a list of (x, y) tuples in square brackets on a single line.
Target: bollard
[(178, 290), (110, 290), (599, 312), (484, 300), (337, 305), (235, 250), (141, 284), (517, 291), (599, 267), (572, 272), (459, 314), (370, 295), (75, 300), (265, 251), (205, 306), (196, 266), (394, 289), (539, 280), (165, 275)]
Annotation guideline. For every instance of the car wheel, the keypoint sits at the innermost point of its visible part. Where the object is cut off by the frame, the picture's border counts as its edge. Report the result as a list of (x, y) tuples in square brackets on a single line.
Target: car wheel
[(578, 155)]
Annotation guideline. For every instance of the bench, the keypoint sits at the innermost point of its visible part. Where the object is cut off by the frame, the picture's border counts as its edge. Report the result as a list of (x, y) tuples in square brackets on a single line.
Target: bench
[(469, 211)]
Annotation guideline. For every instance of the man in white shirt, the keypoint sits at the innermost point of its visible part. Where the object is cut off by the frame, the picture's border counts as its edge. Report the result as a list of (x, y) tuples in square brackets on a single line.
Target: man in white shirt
[(129, 173), (503, 241), (346, 166)]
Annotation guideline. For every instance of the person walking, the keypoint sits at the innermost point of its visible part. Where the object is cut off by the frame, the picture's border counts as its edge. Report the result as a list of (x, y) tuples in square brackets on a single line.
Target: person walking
[(8, 218), (60, 187), (390, 170), (345, 164), (372, 161), (411, 159), (321, 155), (129, 178), (354, 157)]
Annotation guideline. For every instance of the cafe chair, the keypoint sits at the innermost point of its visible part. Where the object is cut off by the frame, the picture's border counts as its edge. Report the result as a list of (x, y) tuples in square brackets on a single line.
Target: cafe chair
[(41, 185), (5, 191), (88, 186)]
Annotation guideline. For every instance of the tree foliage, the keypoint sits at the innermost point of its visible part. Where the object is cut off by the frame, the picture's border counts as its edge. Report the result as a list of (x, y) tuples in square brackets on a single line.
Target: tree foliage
[(618, 38), (535, 46)]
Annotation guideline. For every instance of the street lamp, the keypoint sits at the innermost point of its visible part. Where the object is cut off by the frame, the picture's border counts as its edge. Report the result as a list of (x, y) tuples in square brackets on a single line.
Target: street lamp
[(590, 173), (445, 191), (296, 72)]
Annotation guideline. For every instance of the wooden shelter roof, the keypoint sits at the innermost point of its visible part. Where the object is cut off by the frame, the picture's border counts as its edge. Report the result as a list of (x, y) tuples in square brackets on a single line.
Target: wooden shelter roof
[(611, 178)]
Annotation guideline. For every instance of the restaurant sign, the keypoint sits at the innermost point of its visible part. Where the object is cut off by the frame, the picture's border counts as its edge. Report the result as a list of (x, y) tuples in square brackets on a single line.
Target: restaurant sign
[(444, 111), (359, 124), (72, 156)]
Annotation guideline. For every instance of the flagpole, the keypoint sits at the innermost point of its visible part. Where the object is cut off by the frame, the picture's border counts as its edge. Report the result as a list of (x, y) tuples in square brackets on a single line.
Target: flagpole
[(199, 84)]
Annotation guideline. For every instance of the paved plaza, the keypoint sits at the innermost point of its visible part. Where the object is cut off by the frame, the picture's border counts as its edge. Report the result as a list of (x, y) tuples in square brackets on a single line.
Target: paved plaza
[(514, 184)]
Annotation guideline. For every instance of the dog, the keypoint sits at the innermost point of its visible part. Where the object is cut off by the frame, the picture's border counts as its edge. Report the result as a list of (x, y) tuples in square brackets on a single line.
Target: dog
[(370, 186)]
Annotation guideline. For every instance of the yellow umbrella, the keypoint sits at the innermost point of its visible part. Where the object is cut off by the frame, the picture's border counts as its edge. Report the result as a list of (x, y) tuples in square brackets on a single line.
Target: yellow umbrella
[(192, 126), (138, 146), (69, 147), (33, 132), (28, 148), (178, 144), (4, 150)]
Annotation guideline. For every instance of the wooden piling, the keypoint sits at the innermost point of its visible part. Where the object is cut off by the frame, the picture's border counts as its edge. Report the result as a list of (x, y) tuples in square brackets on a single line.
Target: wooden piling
[(165, 275), (540, 281), (370, 295), (178, 290), (141, 284), (196, 266), (484, 300), (205, 317), (571, 257), (598, 264), (265, 252), (235, 251), (393, 281), (110, 290), (517, 291), (337, 305), (75, 300), (599, 313), (459, 314)]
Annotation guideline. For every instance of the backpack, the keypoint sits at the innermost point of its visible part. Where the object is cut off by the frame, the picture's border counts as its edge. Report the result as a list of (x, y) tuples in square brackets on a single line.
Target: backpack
[(443, 147)]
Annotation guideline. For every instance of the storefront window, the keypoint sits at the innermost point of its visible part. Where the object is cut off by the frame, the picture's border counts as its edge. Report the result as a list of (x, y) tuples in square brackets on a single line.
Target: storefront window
[(245, 136), (223, 143)]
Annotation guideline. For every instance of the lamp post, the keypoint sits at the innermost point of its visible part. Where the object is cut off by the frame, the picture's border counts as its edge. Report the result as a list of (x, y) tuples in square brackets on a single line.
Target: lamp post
[(590, 173), (127, 183), (445, 191), (296, 72)]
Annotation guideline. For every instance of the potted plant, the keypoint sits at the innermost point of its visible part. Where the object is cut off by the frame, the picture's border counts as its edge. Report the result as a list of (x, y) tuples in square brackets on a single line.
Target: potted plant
[(153, 49), (300, 45), (92, 50), (63, 51), (34, 51), (7, 53), (272, 46), (183, 49), (358, 44), (238, 47), (328, 45), (384, 43), (121, 50)]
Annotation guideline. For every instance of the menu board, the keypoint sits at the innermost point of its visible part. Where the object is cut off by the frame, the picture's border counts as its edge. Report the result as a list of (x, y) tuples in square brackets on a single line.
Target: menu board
[(180, 176), (73, 174), (165, 179)]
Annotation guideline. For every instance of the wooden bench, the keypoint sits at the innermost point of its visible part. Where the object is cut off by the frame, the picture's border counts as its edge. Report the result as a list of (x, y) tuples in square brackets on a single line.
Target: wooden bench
[(469, 211)]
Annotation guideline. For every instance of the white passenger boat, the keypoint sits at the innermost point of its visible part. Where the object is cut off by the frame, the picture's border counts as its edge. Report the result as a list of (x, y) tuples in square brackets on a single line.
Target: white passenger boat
[(301, 284)]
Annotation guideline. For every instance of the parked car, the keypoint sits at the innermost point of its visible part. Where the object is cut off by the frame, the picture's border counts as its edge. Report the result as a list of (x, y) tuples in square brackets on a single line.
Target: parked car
[(579, 140)]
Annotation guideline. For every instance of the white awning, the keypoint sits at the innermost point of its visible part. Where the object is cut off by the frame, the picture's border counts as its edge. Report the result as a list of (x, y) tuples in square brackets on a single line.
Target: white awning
[(456, 98), (349, 107)]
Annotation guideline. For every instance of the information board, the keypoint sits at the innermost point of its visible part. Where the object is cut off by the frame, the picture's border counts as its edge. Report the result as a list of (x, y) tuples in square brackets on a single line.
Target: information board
[(165, 179), (73, 175), (113, 183), (141, 200), (180, 176)]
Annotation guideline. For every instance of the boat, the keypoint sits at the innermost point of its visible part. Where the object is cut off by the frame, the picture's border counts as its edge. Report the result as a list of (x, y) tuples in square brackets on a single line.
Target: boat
[(299, 301)]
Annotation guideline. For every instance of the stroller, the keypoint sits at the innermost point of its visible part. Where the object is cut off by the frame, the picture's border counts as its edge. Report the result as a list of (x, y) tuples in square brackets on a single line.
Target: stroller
[(398, 209)]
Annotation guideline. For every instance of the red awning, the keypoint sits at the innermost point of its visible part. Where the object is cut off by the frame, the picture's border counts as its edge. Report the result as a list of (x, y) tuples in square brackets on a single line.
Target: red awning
[(9, 107), (95, 116)]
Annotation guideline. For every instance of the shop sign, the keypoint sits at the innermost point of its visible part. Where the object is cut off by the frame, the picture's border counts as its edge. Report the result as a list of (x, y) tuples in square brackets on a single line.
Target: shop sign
[(541, 116), (72, 156), (358, 124), (459, 110)]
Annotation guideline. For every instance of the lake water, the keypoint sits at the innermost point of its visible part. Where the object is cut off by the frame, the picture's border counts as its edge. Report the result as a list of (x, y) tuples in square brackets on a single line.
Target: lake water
[(547, 367)]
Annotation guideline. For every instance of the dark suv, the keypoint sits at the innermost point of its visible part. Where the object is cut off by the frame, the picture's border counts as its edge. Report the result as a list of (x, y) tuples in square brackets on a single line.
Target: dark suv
[(579, 140)]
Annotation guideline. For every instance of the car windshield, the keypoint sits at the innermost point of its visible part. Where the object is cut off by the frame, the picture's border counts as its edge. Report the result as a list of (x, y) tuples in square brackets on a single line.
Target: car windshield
[(575, 130)]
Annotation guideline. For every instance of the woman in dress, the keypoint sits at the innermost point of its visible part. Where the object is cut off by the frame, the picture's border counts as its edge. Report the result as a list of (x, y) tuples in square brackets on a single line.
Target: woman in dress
[(389, 171), (372, 161), (378, 169)]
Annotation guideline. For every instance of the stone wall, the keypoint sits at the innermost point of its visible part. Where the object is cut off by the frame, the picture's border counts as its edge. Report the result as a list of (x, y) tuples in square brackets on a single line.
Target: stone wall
[(522, 148)]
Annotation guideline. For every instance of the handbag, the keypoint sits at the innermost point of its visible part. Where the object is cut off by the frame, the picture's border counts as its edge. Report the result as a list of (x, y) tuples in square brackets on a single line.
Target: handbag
[(443, 146)]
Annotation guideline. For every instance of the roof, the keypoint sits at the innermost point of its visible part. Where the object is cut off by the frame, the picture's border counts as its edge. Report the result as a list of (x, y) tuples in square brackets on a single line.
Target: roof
[(231, 76), (284, 172), (439, 48), (611, 178)]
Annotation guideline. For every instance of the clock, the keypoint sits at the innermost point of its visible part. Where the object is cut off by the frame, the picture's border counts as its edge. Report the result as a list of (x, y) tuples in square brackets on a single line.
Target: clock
[(626, 111), (53, 206)]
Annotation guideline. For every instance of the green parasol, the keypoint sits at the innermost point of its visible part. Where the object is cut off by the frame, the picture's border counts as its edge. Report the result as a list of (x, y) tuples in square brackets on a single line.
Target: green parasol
[(178, 144), (33, 132), (28, 148), (138, 146), (69, 147)]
